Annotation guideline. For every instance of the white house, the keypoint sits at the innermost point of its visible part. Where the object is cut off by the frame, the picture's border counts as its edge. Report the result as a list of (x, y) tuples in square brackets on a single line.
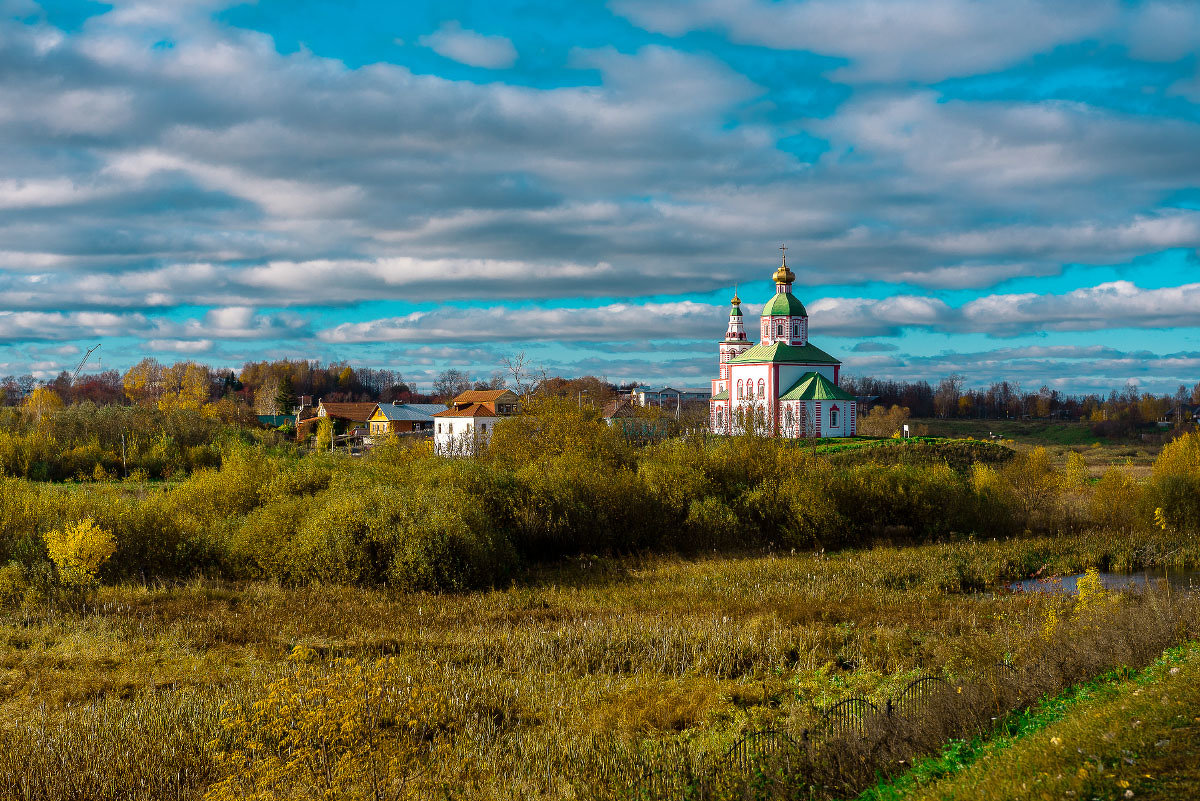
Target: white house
[(469, 422), (669, 396), (783, 386)]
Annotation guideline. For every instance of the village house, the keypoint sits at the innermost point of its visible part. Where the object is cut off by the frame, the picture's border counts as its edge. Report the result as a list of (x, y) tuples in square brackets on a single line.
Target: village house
[(403, 418), (784, 386), (345, 417), (470, 420), (669, 396)]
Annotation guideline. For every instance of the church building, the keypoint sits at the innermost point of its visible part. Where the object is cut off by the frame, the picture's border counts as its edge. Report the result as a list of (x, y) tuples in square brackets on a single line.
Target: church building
[(784, 386)]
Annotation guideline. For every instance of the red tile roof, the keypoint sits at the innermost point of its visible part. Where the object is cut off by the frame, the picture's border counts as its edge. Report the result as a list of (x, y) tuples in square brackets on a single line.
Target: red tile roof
[(474, 410), (480, 395)]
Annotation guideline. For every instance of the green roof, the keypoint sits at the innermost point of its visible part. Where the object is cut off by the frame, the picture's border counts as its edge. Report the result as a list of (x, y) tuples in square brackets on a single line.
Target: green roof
[(736, 311), (723, 395), (814, 386), (784, 303), (783, 352)]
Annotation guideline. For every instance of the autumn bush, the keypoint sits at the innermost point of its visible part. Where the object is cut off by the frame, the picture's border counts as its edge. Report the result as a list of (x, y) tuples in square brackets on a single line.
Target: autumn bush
[(77, 442), (558, 482)]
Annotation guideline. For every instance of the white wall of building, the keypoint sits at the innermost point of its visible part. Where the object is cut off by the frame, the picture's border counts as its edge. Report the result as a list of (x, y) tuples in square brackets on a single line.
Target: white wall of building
[(461, 436)]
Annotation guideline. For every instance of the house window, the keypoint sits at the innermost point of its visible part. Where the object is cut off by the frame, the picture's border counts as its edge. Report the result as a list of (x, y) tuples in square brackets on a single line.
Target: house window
[(439, 428), (762, 388), (483, 426), (449, 428), (833, 417)]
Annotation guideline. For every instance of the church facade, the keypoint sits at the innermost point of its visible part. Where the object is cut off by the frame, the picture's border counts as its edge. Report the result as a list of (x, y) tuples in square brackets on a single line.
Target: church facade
[(783, 385)]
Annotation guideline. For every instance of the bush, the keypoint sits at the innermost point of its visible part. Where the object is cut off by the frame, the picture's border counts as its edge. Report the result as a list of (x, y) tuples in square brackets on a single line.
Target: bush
[(1175, 485)]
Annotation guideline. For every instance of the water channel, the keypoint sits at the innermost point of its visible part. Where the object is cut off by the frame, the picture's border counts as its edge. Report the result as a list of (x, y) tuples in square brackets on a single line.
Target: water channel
[(1182, 580)]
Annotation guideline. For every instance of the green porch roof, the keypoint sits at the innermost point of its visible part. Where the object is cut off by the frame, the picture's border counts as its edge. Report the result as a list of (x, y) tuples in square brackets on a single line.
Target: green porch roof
[(814, 386), (723, 395), (785, 353), (784, 303)]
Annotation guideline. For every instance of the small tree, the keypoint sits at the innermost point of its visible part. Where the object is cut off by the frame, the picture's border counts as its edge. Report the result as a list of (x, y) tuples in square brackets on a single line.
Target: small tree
[(41, 402), (285, 395), (324, 434), (77, 552)]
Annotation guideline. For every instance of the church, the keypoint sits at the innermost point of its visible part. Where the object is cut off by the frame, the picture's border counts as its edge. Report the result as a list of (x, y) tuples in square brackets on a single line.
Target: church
[(784, 386)]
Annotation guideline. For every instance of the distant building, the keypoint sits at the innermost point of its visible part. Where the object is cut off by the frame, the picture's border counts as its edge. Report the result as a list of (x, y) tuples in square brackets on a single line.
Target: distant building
[(470, 420), (345, 417), (622, 414), (783, 386), (669, 396), (403, 418)]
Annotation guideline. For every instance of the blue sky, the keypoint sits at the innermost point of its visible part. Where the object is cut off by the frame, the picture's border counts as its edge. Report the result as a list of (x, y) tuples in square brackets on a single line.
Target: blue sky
[(1002, 190)]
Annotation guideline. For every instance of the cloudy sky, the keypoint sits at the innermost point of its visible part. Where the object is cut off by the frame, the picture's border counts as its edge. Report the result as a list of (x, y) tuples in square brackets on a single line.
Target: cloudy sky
[(1003, 190)]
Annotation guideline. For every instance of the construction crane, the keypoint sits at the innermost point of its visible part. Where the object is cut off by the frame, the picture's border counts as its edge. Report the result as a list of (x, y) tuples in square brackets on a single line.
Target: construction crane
[(83, 361)]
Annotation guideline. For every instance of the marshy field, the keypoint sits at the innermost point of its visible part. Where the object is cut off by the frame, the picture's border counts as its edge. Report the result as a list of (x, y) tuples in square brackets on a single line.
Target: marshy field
[(570, 617)]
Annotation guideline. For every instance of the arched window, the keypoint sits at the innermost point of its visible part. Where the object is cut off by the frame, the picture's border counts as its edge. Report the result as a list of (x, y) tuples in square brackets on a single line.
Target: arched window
[(741, 392), (833, 417), (762, 388), (779, 330), (720, 419), (750, 389)]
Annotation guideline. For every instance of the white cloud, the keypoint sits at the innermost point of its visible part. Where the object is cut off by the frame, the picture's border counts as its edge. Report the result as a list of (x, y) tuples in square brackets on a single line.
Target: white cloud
[(468, 47), (185, 346), (930, 40), (617, 321)]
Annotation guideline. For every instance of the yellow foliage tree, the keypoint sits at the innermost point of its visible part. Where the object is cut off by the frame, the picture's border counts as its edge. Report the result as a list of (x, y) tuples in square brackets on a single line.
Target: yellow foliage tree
[(78, 551), (353, 730), (143, 381), (324, 434), (41, 402), (185, 385)]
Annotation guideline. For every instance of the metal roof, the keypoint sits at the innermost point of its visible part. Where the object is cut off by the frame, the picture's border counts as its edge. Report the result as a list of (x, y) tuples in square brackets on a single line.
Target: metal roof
[(814, 386), (422, 412), (783, 352), (784, 303)]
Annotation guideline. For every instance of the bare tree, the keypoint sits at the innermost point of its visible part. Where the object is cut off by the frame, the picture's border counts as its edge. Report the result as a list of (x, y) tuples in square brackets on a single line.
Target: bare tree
[(451, 383), (525, 378)]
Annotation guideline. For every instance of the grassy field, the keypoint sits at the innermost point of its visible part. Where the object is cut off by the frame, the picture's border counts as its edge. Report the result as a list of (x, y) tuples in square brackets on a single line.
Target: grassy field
[(690, 653), (1061, 438), (1130, 734)]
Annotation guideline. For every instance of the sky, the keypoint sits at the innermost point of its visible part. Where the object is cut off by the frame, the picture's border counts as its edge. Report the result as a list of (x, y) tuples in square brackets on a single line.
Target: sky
[(1003, 190)]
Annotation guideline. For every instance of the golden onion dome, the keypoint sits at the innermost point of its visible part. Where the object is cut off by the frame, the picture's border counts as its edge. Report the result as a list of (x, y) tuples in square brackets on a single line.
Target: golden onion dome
[(736, 300), (783, 275)]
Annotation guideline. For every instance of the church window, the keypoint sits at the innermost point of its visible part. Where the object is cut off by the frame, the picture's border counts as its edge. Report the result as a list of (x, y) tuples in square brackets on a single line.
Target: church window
[(833, 417), (720, 418), (795, 330), (741, 391), (762, 388), (779, 330)]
